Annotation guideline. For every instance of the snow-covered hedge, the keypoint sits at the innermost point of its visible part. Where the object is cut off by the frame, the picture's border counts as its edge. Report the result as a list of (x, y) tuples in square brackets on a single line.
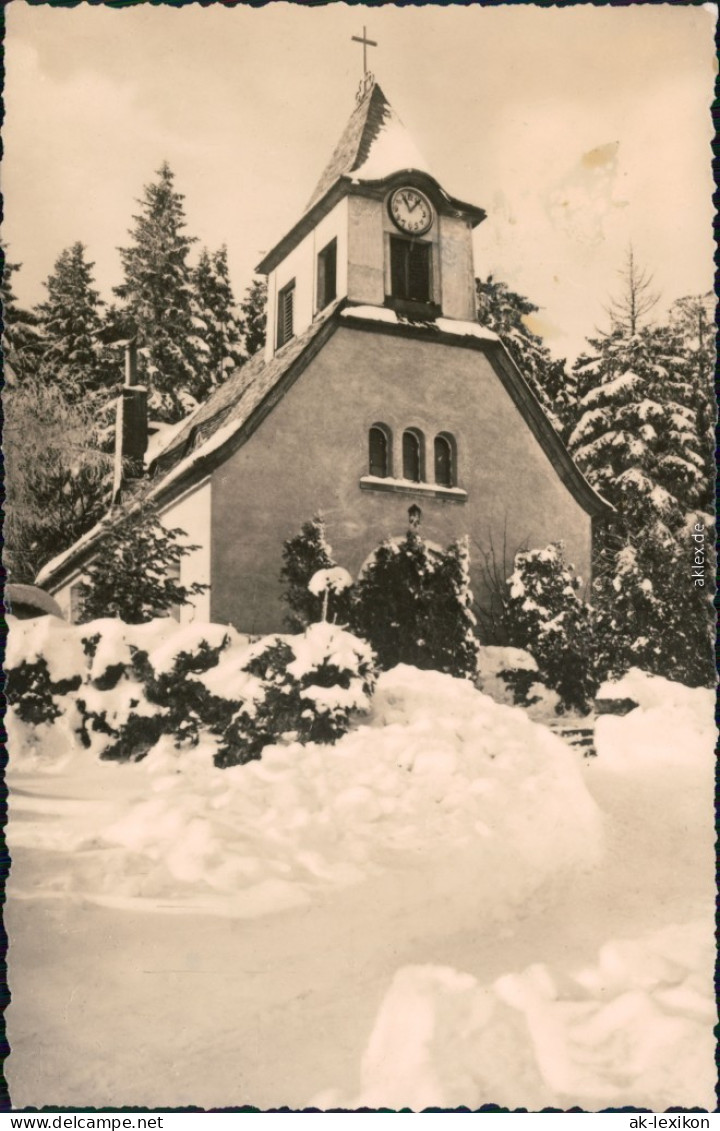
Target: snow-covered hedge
[(119, 688), (306, 688)]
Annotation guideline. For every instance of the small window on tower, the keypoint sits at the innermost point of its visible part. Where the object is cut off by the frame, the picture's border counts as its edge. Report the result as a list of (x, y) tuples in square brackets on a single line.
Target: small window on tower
[(412, 455), (410, 270), (327, 275), (285, 311)]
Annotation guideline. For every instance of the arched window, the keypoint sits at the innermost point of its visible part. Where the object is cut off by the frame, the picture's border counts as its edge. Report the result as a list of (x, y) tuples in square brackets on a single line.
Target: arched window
[(444, 460), (413, 455), (380, 451)]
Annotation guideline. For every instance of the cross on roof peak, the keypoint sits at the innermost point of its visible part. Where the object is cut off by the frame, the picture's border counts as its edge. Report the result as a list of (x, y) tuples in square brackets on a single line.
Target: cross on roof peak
[(366, 43)]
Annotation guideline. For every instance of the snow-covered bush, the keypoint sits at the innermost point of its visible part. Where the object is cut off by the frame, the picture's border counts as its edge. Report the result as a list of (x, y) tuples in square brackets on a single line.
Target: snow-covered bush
[(413, 604), (168, 676), (304, 556), (45, 662), (121, 687), (307, 689), (33, 694), (511, 676), (546, 616), (139, 684)]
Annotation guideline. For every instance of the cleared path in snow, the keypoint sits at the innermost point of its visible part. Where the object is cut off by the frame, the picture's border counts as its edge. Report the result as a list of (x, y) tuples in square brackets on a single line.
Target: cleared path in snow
[(114, 1008)]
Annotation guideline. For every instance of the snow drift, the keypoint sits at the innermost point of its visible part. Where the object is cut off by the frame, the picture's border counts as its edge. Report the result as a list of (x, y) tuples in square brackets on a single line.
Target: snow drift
[(636, 1027), (438, 767)]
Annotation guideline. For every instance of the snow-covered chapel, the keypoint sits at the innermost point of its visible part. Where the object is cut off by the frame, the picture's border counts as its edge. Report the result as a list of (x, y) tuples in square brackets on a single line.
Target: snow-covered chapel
[(378, 390)]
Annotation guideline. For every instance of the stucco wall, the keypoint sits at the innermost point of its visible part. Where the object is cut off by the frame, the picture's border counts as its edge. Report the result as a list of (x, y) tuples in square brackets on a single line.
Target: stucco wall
[(366, 255), (64, 595), (191, 513), (301, 265), (457, 276), (311, 452)]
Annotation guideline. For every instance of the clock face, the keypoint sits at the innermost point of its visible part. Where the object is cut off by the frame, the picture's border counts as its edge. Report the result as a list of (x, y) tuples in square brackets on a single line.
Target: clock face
[(410, 210)]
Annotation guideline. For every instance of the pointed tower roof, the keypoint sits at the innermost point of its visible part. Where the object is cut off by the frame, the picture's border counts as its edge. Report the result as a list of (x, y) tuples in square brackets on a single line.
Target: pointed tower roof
[(374, 144)]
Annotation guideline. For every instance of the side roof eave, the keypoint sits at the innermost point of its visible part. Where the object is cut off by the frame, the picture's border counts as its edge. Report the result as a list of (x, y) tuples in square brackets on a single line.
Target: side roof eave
[(187, 472)]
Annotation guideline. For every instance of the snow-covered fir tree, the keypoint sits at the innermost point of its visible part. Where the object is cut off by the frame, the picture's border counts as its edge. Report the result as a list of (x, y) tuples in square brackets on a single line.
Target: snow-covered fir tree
[(636, 427), (413, 605), (304, 555), (649, 611), (639, 439), (253, 309), (20, 336), (134, 574), (546, 615), (693, 318), (215, 305), (70, 320), (157, 295), (505, 312)]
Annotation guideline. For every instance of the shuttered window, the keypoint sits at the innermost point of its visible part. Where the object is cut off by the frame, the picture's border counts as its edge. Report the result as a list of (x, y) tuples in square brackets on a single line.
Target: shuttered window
[(412, 456), (379, 452), (285, 311), (410, 270), (327, 275)]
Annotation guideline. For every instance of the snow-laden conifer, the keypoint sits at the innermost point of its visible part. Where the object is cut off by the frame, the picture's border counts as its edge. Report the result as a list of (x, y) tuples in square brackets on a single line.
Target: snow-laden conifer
[(303, 556), (20, 335), (413, 604), (70, 321), (546, 615), (253, 311), (157, 294), (215, 306)]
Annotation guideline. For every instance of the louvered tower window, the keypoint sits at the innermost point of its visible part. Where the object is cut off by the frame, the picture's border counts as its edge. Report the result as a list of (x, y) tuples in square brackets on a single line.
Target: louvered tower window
[(410, 270), (285, 311), (327, 275)]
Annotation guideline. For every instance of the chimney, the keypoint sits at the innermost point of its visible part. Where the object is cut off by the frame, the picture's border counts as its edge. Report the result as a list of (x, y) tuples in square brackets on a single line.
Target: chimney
[(131, 429)]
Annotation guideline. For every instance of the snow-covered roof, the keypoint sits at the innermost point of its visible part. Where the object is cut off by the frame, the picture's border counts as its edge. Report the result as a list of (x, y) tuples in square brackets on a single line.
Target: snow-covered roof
[(374, 146), (442, 325)]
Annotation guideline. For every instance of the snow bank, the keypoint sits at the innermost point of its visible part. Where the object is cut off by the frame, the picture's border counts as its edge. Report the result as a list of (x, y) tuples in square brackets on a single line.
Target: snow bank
[(439, 766), (673, 725), (636, 1028)]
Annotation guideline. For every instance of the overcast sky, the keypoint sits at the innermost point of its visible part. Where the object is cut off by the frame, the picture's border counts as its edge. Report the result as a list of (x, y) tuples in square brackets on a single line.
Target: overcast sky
[(577, 129)]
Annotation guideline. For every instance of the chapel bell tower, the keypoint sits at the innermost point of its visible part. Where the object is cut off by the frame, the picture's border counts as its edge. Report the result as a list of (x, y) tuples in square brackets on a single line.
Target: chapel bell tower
[(379, 230)]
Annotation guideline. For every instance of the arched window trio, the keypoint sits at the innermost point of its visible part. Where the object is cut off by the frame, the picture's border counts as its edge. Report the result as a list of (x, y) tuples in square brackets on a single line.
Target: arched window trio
[(442, 457)]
